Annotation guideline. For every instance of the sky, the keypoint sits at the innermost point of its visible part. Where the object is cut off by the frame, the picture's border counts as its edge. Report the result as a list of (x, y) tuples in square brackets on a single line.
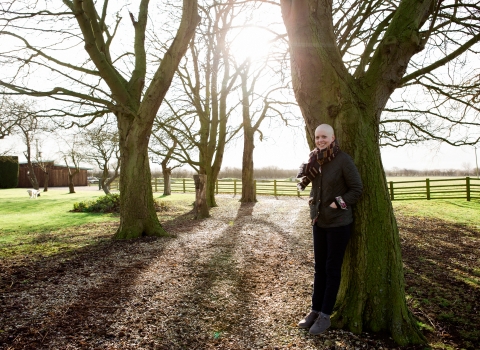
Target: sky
[(286, 147)]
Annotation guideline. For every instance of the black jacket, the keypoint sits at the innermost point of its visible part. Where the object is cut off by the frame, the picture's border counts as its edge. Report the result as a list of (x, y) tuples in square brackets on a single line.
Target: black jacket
[(338, 177)]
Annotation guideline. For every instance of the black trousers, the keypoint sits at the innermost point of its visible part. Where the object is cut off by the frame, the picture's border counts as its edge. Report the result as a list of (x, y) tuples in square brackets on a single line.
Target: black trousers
[(329, 245)]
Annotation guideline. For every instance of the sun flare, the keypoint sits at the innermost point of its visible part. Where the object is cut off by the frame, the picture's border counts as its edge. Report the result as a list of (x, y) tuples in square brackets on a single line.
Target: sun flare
[(251, 43)]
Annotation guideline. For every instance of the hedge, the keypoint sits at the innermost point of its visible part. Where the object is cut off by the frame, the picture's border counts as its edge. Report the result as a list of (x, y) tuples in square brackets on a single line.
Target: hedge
[(8, 171)]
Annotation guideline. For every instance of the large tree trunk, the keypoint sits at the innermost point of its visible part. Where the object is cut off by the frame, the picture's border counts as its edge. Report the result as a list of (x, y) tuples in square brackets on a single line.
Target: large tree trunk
[(372, 293), (167, 183), (371, 296), (137, 210), (248, 181), (201, 208), (210, 191)]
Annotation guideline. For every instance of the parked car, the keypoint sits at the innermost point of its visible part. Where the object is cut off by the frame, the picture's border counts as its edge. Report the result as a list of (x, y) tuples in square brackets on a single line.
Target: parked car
[(93, 180)]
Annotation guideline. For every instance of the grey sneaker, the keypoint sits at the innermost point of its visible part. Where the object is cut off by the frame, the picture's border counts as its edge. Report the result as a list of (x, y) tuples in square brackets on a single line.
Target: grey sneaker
[(308, 321), (321, 324)]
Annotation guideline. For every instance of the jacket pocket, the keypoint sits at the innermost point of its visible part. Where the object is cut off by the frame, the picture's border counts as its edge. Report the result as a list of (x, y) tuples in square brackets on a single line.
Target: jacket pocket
[(332, 215)]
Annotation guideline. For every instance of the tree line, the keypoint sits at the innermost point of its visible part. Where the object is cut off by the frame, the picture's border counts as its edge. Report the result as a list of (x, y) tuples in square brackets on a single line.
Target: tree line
[(433, 172)]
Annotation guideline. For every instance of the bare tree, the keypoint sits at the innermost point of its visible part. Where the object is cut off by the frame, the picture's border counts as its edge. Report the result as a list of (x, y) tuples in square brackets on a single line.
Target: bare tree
[(347, 59), (10, 116), (43, 165), (29, 126), (162, 146), (258, 104), (101, 146), (199, 101), (21, 118), (73, 153), (102, 74), (467, 167)]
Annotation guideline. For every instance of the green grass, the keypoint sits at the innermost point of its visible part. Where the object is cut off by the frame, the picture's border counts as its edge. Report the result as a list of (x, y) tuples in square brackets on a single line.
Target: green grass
[(49, 212), (44, 226), (458, 211)]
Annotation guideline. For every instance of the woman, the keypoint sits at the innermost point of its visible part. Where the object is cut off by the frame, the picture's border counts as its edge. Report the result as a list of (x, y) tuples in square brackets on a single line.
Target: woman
[(336, 186)]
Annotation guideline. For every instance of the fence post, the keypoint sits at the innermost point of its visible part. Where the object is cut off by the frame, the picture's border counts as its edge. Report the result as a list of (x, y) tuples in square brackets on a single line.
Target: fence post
[(274, 187), (298, 191), (156, 184), (392, 194), (468, 187), (216, 186), (427, 181), (255, 187), (184, 190), (234, 187)]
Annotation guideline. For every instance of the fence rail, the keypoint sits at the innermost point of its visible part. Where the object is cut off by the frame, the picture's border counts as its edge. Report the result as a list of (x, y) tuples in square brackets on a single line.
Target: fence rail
[(457, 188), (426, 189)]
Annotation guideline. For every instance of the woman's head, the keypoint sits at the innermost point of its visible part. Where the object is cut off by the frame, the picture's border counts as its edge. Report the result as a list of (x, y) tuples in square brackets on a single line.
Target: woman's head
[(324, 136)]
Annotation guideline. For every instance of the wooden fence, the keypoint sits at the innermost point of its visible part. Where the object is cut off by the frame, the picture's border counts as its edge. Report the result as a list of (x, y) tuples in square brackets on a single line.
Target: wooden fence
[(234, 186), (458, 188)]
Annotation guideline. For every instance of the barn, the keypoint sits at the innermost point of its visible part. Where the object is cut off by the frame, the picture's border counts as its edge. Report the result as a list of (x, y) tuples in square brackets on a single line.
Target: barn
[(58, 175)]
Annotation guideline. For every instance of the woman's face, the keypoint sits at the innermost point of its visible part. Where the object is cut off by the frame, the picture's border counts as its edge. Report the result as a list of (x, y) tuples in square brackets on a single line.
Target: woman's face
[(323, 137)]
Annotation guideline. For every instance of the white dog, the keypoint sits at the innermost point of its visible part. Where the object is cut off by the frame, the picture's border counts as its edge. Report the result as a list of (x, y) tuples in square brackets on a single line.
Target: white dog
[(33, 193)]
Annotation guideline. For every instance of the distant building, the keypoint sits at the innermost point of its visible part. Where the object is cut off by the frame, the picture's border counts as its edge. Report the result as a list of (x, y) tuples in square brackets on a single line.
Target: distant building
[(58, 175)]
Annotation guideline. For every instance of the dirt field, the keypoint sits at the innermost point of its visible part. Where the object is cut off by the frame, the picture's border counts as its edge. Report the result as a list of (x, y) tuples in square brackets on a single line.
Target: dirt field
[(238, 280)]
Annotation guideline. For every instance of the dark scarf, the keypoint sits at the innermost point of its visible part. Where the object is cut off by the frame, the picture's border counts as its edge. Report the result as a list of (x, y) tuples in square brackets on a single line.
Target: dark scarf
[(316, 159)]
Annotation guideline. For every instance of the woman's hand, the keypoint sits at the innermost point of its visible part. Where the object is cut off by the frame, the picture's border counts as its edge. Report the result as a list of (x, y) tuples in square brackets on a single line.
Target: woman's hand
[(333, 205)]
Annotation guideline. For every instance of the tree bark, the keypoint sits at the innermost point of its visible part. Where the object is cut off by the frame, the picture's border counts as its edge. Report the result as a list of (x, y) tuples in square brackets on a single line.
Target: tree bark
[(201, 205), (105, 187), (212, 175), (71, 186), (372, 292), (105, 180), (167, 188), (137, 210), (371, 296), (248, 181), (45, 184)]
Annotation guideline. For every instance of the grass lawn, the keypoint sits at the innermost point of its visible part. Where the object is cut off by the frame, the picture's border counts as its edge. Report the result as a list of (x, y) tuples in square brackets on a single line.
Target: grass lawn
[(46, 226), (457, 211), (49, 212)]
